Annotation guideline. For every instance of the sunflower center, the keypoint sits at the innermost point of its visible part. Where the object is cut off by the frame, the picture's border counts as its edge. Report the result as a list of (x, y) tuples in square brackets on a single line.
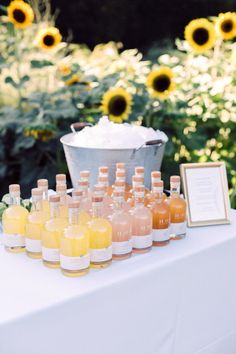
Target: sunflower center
[(227, 26), (200, 36), (161, 83), (117, 105), (48, 40), (19, 15)]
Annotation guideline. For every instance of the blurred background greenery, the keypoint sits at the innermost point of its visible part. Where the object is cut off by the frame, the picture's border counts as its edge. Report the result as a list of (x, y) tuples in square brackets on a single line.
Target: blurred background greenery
[(45, 89)]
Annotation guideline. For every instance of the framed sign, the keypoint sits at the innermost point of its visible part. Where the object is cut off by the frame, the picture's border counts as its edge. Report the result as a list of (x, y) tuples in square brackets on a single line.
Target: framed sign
[(206, 192)]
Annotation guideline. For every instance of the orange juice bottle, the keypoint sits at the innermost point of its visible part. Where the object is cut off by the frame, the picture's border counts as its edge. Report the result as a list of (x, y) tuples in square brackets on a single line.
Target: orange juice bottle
[(100, 231), (52, 232), (74, 251), (177, 210), (141, 223), (160, 216), (34, 225), (121, 222), (13, 221)]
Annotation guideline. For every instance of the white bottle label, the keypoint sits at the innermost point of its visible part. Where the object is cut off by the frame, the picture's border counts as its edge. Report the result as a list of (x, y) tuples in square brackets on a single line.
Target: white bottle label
[(160, 235), (34, 246), (75, 263), (51, 254), (124, 247), (178, 228), (13, 240), (100, 254), (142, 241)]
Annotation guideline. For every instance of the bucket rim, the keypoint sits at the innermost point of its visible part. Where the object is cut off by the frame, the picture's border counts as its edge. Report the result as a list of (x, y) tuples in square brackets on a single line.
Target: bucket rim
[(103, 148)]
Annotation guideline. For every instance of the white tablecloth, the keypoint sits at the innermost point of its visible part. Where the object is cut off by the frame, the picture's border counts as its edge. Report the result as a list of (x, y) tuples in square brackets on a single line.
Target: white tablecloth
[(180, 299)]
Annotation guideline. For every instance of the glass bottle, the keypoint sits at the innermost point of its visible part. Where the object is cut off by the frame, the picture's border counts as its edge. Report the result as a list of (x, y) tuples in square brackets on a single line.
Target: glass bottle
[(121, 229), (107, 199), (83, 216), (84, 176), (52, 232), (43, 184), (160, 216), (136, 181), (141, 223), (155, 177), (34, 225), (120, 187), (60, 179), (100, 231), (139, 171), (74, 251), (13, 222), (177, 210), (61, 190), (85, 203)]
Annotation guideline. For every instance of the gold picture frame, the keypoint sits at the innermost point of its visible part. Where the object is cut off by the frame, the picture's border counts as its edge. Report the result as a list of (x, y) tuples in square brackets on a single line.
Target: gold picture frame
[(206, 192)]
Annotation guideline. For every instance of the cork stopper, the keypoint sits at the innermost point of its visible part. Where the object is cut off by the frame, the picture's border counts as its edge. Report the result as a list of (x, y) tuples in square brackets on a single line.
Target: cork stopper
[(156, 174), (14, 188), (119, 184), (73, 205), (36, 192), (83, 183), (137, 179), (103, 169), (54, 198), (97, 199), (175, 179), (139, 170), (120, 174), (61, 188), (158, 184), (84, 174), (77, 193), (42, 183), (61, 177), (120, 166)]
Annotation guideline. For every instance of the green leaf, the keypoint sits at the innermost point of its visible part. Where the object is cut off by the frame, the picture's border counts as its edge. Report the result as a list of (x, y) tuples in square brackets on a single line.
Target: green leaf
[(38, 64), (24, 79)]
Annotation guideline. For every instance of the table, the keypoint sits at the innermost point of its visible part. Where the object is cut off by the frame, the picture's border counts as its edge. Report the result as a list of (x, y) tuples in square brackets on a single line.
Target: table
[(179, 299)]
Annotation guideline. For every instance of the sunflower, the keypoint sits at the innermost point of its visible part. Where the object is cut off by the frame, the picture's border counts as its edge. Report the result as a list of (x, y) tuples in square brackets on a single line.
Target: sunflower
[(48, 38), (116, 103), (200, 34), (226, 25), (161, 82), (20, 14)]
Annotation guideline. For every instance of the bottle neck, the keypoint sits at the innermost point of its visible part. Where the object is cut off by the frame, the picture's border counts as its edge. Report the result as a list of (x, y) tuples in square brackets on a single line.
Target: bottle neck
[(36, 203), (118, 203), (63, 198), (45, 194), (15, 199), (175, 189), (97, 209), (85, 192), (157, 193), (73, 216), (138, 199), (54, 210)]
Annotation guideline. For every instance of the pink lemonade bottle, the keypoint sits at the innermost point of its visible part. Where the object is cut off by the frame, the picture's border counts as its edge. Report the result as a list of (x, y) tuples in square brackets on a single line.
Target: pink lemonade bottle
[(177, 210), (121, 229), (141, 223), (119, 186), (84, 176), (160, 216), (136, 181)]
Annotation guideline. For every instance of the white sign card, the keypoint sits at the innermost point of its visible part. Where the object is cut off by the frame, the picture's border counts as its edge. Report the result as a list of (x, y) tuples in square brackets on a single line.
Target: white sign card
[(206, 192)]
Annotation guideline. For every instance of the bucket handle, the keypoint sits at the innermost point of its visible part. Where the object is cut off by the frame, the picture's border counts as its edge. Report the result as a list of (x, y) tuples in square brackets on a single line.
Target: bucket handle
[(79, 126), (157, 143)]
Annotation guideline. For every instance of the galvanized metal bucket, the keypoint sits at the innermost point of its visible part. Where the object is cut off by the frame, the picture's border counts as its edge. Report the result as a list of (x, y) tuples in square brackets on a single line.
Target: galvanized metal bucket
[(149, 155)]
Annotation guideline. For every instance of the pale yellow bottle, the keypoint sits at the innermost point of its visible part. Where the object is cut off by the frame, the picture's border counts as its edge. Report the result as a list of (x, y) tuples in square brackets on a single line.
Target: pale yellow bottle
[(52, 232), (84, 216), (74, 253), (100, 231), (34, 225), (13, 222), (43, 184)]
